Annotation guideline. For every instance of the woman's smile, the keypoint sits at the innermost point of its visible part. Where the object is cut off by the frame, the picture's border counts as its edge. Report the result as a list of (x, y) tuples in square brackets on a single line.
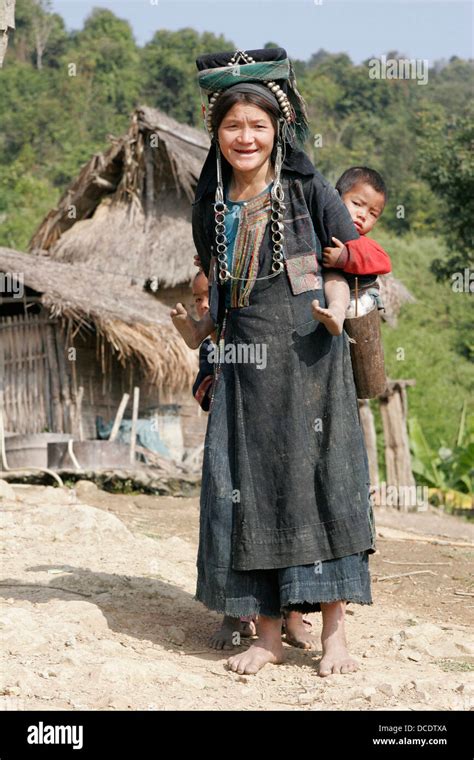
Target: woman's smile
[(246, 138), (246, 151)]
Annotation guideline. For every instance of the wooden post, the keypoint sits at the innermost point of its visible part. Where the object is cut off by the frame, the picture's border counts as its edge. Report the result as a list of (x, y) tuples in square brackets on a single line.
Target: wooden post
[(397, 448), (80, 426), (118, 417), (77, 394), (65, 380), (54, 380), (133, 432), (368, 427)]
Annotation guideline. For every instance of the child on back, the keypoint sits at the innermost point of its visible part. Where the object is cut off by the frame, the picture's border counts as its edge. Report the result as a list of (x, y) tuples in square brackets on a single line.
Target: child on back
[(364, 194)]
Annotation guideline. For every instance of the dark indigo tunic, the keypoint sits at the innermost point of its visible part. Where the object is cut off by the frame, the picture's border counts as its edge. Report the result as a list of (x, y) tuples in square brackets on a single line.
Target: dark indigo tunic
[(298, 461)]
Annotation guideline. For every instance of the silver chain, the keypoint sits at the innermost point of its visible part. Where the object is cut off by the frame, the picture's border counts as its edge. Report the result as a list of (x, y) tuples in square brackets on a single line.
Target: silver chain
[(277, 227)]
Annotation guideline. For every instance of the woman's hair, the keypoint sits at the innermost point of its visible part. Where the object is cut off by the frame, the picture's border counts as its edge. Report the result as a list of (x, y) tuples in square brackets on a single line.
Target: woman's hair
[(229, 99)]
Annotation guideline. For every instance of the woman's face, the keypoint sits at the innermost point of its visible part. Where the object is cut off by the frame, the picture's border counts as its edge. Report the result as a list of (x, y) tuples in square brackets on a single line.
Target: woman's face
[(246, 137)]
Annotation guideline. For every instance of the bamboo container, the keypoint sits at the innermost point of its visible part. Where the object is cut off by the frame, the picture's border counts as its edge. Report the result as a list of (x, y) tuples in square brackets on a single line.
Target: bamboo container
[(362, 325)]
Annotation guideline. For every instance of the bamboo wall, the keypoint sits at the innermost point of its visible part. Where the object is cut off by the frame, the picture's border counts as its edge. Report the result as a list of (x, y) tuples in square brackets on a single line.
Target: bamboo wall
[(34, 376), (42, 381)]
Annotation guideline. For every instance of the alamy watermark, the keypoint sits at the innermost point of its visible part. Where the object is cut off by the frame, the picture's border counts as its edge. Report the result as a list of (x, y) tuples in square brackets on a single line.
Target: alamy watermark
[(399, 68), (242, 353), (49, 734), (463, 282), (12, 282), (400, 496)]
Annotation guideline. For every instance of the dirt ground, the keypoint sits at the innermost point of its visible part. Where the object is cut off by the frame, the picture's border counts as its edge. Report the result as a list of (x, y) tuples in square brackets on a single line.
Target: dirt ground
[(98, 613)]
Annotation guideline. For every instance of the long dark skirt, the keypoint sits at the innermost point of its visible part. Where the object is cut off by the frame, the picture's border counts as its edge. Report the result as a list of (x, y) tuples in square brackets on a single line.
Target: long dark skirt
[(267, 591)]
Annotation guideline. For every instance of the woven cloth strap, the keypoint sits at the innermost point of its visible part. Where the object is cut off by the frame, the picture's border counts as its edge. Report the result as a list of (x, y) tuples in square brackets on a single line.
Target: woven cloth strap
[(214, 80)]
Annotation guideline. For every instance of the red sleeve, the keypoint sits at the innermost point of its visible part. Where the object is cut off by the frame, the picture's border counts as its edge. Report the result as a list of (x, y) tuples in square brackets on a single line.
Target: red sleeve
[(365, 256)]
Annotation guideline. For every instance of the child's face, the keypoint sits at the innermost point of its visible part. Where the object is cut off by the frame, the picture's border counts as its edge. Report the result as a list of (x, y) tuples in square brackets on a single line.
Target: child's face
[(201, 295), (365, 205)]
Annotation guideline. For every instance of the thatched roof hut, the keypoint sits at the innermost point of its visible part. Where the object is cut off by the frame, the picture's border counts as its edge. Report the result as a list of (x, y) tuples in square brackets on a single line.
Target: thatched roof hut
[(132, 321), (65, 328), (129, 210), (107, 262)]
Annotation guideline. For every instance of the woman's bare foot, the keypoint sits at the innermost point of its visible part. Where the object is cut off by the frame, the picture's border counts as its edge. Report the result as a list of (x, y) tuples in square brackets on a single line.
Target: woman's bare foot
[(332, 317), (267, 649), (297, 631), (336, 658), (228, 635)]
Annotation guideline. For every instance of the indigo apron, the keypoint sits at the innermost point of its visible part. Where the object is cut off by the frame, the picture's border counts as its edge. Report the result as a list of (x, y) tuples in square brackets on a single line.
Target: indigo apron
[(285, 513)]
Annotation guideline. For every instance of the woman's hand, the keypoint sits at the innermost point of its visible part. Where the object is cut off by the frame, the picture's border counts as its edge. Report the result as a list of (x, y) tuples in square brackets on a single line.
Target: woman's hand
[(197, 261)]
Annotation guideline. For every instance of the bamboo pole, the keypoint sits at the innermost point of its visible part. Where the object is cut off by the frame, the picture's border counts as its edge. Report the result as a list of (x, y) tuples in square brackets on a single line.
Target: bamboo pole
[(11, 377), (30, 377), (36, 369), (13, 374), (118, 417), (9, 387), (79, 397), (76, 403), (45, 386), (133, 432), (17, 340), (54, 380), (64, 380), (22, 356)]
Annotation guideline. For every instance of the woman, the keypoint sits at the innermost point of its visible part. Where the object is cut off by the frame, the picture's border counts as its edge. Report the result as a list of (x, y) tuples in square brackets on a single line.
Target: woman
[(286, 523)]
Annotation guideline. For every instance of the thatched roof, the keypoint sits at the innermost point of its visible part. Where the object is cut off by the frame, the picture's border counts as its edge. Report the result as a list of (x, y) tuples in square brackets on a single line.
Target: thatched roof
[(129, 210), (133, 321)]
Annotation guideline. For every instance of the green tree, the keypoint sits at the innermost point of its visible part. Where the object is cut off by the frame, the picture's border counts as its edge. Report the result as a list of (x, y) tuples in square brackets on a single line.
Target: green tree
[(169, 66), (40, 34), (446, 161), (105, 54)]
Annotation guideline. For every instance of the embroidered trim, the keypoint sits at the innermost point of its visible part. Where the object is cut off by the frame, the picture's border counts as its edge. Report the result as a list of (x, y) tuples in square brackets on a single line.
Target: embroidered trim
[(301, 271), (254, 218)]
